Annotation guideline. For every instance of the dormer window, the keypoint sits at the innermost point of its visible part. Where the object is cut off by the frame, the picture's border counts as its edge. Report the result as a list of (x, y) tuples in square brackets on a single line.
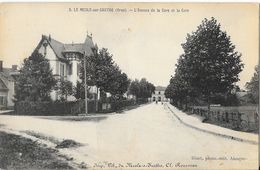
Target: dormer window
[(45, 44)]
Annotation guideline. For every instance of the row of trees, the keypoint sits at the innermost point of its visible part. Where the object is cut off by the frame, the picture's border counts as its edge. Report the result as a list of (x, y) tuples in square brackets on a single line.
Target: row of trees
[(36, 80), (103, 73), (208, 67), (253, 86), (141, 89)]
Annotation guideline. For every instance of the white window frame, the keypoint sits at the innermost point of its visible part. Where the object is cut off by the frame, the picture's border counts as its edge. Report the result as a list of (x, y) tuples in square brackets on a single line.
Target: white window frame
[(64, 69), (4, 100)]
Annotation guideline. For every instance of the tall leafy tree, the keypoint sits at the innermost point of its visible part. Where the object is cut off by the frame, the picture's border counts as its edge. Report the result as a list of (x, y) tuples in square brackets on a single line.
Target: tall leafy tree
[(253, 86), (35, 81), (120, 83), (104, 73), (141, 89), (64, 89), (134, 88), (210, 63), (79, 91), (180, 90)]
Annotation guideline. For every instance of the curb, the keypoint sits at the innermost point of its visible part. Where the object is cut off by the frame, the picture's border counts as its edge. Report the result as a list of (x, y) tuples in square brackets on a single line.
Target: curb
[(214, 133)]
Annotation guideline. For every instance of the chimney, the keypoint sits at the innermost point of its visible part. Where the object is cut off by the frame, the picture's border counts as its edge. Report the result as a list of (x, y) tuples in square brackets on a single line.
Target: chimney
[(89, 36), (49, 37), (14, 67), (1, 66)]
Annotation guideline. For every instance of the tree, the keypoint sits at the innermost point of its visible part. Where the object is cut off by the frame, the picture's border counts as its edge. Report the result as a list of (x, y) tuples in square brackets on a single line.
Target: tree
[(64, 89), (79, 91), (180, 90), (35, 81), (141, 89), (146, 88), (253, 86), (134, 88), (177, 91), (104, 73), (210, 63), (120, 83)]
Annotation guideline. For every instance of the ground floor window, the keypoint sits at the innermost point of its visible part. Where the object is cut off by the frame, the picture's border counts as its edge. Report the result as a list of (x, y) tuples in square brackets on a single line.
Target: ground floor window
[(62, 69), (3, 100)]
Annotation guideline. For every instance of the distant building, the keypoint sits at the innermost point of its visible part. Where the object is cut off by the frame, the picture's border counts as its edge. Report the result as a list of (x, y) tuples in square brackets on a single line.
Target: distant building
[(158, 94), (7, 85), (65, 59), (244, 97)]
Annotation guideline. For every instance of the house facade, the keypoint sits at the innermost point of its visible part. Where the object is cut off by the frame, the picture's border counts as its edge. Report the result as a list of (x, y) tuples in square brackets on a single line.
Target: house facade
[(159, 95), (65, 59), (7, 85)]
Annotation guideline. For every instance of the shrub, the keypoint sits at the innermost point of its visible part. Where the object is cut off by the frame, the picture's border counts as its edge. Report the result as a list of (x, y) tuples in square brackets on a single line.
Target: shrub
[(69, 107), (53, 108)]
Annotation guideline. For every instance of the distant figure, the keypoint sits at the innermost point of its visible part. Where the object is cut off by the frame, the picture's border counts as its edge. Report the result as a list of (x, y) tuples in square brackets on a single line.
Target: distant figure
[(156, 101), (162, 102)]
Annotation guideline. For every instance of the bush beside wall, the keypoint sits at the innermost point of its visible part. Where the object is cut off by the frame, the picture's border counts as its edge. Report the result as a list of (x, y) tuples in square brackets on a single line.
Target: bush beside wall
[(71, 107), (52, 108)]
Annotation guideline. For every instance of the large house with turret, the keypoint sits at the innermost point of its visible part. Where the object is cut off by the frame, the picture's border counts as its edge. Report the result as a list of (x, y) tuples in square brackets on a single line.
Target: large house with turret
[(65, 59)]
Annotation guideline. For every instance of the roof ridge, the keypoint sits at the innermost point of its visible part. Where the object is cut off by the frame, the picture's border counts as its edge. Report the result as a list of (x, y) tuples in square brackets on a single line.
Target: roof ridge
[(47, 37), (57, 41), (74, 44), (59, 48), (7, 68)]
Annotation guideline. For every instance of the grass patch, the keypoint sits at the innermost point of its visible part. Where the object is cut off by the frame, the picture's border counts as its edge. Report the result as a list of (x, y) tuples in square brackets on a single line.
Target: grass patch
[(17, 152), (68, 144), (41, 136)]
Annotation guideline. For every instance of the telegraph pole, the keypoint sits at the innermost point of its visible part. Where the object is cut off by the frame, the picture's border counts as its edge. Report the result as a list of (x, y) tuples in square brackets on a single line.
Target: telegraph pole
[(258, 70), (85, 84)]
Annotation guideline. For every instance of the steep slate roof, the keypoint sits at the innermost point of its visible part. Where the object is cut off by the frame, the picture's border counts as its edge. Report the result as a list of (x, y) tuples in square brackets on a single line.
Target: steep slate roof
[(73, 48), (5, 76), (2, 85), (60, 48), (160, 88), (57, 47), (88, 46)]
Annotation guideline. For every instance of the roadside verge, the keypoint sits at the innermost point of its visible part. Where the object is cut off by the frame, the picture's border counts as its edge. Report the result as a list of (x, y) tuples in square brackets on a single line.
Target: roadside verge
[(196, 123)]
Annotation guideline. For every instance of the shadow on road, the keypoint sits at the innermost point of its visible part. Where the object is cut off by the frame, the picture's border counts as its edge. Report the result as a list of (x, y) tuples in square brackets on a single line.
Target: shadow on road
[(94, 118)]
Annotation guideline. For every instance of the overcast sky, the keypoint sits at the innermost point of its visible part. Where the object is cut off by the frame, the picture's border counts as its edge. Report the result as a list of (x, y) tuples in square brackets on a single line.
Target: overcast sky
[(143, 44)]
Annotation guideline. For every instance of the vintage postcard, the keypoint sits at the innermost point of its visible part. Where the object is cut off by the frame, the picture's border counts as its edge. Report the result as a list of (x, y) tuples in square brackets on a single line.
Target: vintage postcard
[(129, 86)]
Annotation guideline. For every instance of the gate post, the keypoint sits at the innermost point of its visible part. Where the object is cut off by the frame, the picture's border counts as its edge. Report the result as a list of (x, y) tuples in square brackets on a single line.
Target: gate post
[(239, 119), (226, 114)]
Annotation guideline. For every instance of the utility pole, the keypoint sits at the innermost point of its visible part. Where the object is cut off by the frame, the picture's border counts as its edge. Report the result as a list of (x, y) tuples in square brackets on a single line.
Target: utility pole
[(258, 86), (85, 83)]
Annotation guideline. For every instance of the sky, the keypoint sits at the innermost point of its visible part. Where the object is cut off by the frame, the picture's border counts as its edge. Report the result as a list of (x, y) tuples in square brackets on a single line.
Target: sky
[(143, 44)]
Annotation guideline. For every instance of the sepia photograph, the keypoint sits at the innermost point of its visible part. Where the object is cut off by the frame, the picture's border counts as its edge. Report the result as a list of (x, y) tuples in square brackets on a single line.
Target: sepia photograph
[(128, 85)]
